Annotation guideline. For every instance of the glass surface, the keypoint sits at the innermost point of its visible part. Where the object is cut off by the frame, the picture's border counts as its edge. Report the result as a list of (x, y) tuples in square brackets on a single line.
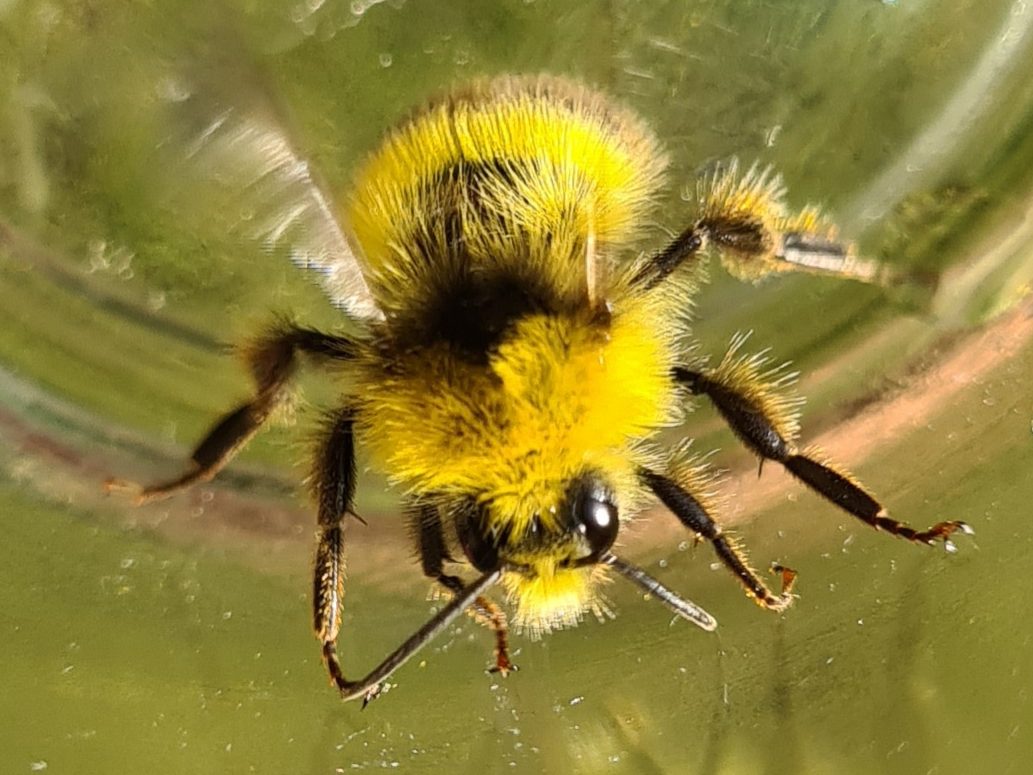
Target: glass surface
[(176, 637)]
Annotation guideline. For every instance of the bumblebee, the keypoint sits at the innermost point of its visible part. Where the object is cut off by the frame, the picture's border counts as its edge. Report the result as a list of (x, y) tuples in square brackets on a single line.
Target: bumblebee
[(517, 355)]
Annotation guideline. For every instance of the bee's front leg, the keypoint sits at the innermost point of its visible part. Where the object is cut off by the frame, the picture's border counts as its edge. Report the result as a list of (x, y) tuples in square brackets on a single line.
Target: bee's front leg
[(334, 486), (691, 513), (433, 554)]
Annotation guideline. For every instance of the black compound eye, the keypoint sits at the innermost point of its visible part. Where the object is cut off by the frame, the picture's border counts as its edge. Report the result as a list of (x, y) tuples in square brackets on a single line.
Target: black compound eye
[(479, 546), (596, 519)]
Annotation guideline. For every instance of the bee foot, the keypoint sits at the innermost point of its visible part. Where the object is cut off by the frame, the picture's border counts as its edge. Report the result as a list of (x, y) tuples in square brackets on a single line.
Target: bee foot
[(943, 532), (371, 695), (503, 667)]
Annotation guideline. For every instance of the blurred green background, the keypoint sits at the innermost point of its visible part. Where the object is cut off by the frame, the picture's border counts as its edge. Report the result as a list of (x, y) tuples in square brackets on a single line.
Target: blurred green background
[(175, 637)]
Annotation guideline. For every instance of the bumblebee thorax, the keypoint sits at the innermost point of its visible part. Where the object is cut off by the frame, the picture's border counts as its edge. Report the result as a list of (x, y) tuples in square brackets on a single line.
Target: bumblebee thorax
[(558, 393)]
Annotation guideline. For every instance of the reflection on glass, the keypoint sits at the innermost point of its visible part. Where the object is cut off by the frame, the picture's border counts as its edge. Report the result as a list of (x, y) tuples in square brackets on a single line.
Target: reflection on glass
[(175, 637)]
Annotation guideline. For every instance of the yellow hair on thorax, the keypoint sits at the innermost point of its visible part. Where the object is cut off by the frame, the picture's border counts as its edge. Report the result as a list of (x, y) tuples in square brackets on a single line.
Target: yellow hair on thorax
[(559, 396)]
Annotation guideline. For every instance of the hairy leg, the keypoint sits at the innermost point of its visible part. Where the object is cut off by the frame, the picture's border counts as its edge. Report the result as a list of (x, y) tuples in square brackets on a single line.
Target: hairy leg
[(433, 554), (765, 422), (691, 513), (273, 361)]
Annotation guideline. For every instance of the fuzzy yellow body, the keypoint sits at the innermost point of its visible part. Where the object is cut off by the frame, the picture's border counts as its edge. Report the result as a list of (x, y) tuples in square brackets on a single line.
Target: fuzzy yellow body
[(524, 175), (516, 354), (524, 167)]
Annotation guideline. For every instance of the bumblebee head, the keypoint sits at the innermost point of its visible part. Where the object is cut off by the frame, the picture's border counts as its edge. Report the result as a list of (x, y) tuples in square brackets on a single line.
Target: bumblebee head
[(552, 569)]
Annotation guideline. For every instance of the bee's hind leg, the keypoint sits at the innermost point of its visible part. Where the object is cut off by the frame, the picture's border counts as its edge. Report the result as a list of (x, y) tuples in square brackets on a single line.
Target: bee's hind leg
[(433, 555), (763, 421), (273, 361)]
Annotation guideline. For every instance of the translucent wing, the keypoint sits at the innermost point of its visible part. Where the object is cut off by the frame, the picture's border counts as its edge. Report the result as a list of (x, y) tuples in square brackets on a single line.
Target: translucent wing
[(245, 150)]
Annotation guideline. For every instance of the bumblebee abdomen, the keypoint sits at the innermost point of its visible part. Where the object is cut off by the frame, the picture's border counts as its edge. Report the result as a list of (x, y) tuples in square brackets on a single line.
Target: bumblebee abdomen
[(511, 173)]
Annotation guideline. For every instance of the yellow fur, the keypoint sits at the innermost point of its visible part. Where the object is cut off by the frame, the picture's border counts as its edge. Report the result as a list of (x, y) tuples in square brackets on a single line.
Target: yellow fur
[(553, 161), (555, 597), (766, 387), (515, 355), (531, 171), (555, 399), (547, 182), (757, 196)]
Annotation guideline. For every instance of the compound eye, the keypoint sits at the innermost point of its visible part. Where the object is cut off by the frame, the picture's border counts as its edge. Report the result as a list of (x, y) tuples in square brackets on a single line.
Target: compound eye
[(596, 520), (479, 546)]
